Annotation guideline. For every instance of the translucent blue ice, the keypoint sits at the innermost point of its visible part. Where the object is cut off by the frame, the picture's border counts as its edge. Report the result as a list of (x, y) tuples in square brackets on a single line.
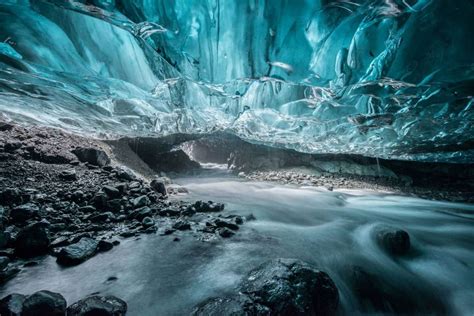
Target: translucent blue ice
[(384, 78)]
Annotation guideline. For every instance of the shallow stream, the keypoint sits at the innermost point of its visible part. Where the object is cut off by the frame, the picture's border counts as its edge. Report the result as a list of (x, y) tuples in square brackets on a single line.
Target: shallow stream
[(333, 230)]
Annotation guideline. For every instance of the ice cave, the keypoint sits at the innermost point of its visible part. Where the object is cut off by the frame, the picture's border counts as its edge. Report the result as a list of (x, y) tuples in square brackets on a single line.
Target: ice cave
[(236, 157)]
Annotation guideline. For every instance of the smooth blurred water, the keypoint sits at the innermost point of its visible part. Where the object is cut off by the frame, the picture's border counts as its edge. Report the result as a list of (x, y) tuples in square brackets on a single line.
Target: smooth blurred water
[(332, 230)]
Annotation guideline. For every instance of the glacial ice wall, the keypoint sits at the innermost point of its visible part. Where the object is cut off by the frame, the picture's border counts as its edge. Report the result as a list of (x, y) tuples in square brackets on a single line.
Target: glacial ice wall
[(383, 78)]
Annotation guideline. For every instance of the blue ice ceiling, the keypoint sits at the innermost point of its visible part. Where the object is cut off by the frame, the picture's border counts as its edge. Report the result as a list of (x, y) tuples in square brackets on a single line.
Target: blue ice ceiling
[(391, 78)]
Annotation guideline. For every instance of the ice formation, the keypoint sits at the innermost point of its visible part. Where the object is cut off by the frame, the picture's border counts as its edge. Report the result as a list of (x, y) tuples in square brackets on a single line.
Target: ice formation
[(383, 78)]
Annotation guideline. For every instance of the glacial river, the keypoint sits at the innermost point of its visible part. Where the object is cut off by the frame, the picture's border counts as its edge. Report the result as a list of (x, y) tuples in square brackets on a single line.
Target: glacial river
[(332, 230)]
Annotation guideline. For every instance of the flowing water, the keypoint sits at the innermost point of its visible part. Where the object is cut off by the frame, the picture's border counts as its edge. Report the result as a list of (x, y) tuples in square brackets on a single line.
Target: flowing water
[(333, 230)]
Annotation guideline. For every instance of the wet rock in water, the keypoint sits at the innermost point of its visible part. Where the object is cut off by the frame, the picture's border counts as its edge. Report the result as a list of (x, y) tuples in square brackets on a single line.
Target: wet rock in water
[(141, 201), (93, 156), (4, 261), (12, 305), (77, 253), (239, 305), (98, 305), (227, 224), (32, 241), (292, 287), (182, 225), (148, 222), (207, 207), (159, 186), (8, 274), (44, 303), (104, 245), (22, 213), (225, 232), (68, 175), (394, 241)]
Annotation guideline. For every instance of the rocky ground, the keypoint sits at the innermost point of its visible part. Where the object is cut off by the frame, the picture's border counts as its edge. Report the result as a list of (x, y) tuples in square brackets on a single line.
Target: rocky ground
[(66, 196), (331, 182)]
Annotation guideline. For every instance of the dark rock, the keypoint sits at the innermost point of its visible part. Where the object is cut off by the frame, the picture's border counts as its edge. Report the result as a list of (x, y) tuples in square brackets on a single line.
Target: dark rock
[(5, 126), (22, 213), (159, 186), (108, 168), (12, 305), (100, 199), (141, 201), (208, 207), (77, 196), (30, 264), (93, 156), (68, 175), (98, 305), (114, 205), (105, 245), (222, 223), (148, 222), (225, 232), (4, 261), (12, 145), (101, 217), (238, 305), (77, 253), (182, 225), (10, 196), (125, 175), (292, 287), (169, 212), (8, 273), (394, 241), (141, 213), (121, 187), (168, 231), (44, 303), (32, 241), (111, 191)]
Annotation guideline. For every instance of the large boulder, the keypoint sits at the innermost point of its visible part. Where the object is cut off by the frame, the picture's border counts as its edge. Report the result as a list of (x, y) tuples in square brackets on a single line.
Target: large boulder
[(98, 305), (158, 185), (79, 252), (32, 241), (44, 303), (12, 305), (236, 306), (92, 155), (394, 241), (292, 287), (24, 212), (278, 287)]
